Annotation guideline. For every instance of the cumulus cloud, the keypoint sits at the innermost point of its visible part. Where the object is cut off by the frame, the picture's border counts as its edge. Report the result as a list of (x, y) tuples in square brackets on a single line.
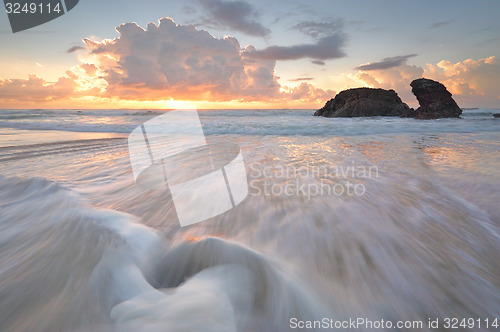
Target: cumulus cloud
[(235, 15), (79, 81), (396, 78), (89, 68), (319, 29), (175, 61), (386, 63), (325, 48), (36, 89), (162, 62), (307, 92), (473, 83)]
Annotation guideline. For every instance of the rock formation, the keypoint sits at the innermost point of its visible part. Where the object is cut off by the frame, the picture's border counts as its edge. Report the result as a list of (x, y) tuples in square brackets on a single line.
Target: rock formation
[(364, 102), (435, 101)]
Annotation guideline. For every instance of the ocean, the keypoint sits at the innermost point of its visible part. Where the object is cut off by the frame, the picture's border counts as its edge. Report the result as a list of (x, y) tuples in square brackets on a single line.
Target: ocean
[(365, 224)]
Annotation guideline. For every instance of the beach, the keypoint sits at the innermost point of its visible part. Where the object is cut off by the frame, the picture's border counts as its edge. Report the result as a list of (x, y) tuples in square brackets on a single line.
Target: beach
[(379, 218)]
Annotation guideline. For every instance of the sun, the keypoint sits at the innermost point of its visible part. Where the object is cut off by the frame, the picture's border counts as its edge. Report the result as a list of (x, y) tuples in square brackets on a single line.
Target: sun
[(178, 104)]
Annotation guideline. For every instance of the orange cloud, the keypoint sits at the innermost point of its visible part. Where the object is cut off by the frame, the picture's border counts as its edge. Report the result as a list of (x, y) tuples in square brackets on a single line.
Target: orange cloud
[(473, 83), (396, 78), (165, 62), (307, 92), (470, 80), (36, 89)]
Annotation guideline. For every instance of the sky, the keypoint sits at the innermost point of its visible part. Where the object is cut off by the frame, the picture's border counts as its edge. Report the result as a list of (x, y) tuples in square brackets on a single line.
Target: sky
[(249, 54)]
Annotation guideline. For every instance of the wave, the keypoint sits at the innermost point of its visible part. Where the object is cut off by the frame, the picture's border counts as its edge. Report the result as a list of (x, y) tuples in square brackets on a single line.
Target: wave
[(49, 241), (409, 248), (64, 147), (216, 285), (248, 122), (67, 265)]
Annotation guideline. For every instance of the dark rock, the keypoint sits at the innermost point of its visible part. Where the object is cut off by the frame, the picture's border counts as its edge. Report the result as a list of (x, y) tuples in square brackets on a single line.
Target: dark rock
[(435, 101), (364, 102), (410, 113), (496, 115)]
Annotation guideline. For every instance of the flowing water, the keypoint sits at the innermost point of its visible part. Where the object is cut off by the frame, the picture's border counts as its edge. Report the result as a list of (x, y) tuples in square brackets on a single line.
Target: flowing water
[(373, 218)]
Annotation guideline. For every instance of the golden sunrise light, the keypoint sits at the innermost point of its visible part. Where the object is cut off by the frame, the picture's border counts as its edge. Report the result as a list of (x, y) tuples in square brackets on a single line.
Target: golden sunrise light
[(247, 166)]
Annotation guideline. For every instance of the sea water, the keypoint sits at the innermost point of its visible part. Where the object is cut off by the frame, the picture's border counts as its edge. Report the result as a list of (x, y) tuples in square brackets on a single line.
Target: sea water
[(84, 248)]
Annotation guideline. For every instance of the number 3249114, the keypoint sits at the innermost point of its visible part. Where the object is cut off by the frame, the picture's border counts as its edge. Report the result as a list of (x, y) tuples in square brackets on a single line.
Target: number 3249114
[(31, 8), (471, 323)]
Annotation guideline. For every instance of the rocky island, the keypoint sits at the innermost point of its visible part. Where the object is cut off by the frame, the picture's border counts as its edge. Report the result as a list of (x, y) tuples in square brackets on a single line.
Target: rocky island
[(364, 102), (434, 99)]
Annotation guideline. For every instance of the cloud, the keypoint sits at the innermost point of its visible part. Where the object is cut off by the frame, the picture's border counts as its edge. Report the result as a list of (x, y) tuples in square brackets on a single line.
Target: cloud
[(473, 83), (75, 48), (368, 79), (396, 78), (235, 15), (36, 89), (176, 61), (163, 62), (319, 29), (89, 68), (307, 92), (318, 62), (488, 41), (439, 24), (325, 48), (188, 9), (301, 79), (386, 63)]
